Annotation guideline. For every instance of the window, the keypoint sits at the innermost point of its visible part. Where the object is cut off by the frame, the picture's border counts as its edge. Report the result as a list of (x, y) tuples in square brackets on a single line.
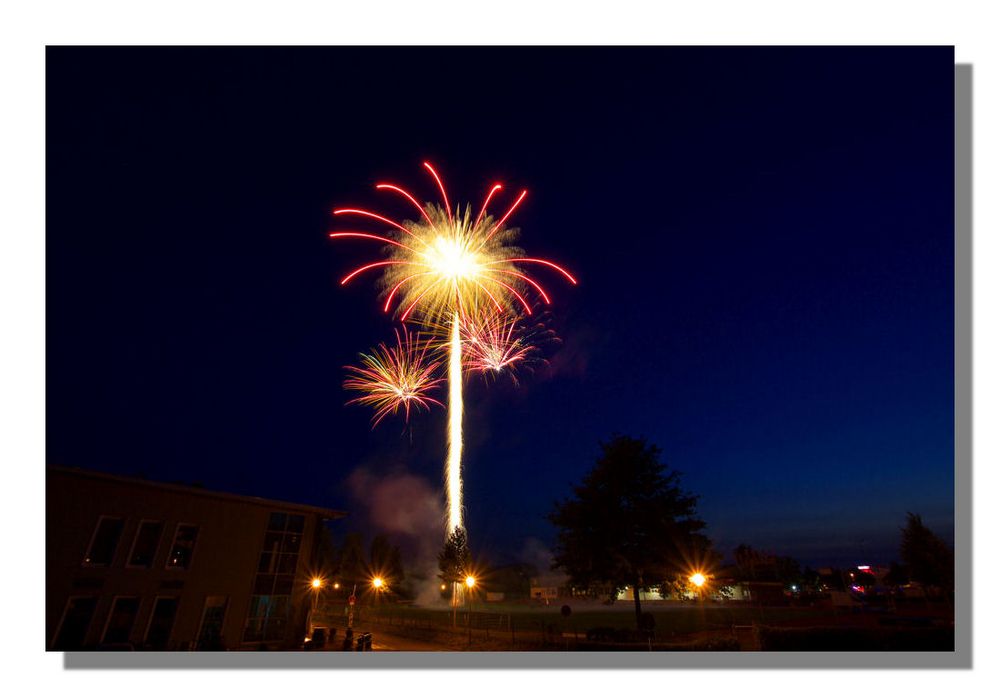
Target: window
[(76, 619), (267, 618), (120, 621), (210, 634), (161, 623), (182, 549), (147, 539), (104, 542)]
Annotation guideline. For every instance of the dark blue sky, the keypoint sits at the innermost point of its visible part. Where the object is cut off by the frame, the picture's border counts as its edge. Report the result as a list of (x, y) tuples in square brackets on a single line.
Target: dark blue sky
[(764, 240)]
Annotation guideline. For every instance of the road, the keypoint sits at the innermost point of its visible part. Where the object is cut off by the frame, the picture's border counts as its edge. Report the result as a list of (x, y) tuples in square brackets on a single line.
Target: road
[(391, 642)]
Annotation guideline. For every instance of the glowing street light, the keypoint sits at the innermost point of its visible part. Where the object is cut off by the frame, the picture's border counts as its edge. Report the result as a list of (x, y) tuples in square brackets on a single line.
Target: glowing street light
[(470, 581), (698, 579), (377, 583), (317, 584)]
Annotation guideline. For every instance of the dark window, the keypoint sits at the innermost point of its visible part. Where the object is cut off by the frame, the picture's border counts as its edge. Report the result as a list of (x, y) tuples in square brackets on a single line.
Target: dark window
[(105, 542), (210, 635), (287, 563), (161, 623), (76, 621), (267, 618), (268, 615), (183, 548), (277, 522), (283, 584), (147, 539), (120, 623), (264, 584), (291, 543)]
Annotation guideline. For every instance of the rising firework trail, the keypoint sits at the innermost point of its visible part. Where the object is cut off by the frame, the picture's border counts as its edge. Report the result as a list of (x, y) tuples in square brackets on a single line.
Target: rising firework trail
[(445, 265)]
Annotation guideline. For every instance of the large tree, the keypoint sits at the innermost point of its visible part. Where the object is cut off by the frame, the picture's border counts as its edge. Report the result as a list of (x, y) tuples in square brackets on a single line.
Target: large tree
[(929, 560), (629, 524)]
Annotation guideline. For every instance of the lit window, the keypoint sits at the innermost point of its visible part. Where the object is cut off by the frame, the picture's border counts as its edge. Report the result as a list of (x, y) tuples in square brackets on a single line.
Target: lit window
[(182, 549)]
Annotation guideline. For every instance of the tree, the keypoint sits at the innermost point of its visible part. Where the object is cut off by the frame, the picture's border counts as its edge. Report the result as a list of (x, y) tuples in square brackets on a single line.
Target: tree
[(385, 561), (628, 523), (352, 561), (454, 565), (928, 558), (453, 561)]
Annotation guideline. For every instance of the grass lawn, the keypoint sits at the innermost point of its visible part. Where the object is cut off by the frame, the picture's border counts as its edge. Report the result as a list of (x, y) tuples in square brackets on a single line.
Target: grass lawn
[(672, 617)]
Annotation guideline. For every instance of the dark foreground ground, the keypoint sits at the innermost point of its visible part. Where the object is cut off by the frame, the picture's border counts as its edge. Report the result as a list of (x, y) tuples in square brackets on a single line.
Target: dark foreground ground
[(920, 626)]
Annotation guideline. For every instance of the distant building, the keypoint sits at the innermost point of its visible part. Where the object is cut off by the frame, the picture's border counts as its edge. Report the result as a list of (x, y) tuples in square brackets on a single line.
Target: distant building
[(146, 565), (545, 593), (652, 593)]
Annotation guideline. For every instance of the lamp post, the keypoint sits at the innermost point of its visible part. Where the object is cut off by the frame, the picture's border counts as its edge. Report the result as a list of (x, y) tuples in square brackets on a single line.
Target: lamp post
[(470, 583), (316, 585)]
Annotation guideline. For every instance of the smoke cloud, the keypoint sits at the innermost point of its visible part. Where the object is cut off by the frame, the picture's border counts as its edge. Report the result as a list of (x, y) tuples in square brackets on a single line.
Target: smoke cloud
[(411, 512)]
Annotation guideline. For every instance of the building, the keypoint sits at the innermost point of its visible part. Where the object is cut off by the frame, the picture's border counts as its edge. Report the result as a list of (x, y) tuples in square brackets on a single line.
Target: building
[(132, 563)]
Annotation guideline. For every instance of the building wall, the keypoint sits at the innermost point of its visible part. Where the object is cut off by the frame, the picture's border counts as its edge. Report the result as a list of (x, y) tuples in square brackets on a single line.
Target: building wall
[(224, 562)]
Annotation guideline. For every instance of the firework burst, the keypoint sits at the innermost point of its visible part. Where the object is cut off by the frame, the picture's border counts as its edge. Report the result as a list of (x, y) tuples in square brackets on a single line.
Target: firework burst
[(447, 262), (437, 269), (395, 378), (497, 344)]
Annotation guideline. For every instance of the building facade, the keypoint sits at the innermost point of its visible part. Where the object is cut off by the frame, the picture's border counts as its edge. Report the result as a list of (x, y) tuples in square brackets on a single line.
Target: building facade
[(137, 564)]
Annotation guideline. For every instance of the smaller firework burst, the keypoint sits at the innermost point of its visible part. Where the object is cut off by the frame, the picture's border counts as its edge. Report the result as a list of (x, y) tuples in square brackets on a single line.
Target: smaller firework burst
[(394, 378), (498, 343)]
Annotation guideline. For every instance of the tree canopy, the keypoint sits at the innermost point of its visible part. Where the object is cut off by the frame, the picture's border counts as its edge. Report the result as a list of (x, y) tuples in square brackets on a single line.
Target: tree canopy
[(929, 560), (629, 523), (454, 559)]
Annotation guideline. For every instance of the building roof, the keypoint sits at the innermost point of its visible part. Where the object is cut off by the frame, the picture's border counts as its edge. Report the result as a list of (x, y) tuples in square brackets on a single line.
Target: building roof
[(327, 513)]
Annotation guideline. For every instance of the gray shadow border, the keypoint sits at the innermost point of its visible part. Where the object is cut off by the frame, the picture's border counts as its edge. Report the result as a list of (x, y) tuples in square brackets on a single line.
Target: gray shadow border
[(961, 657)]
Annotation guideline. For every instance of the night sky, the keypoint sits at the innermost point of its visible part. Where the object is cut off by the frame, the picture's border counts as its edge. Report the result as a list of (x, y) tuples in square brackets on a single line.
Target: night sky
[(763, 238)]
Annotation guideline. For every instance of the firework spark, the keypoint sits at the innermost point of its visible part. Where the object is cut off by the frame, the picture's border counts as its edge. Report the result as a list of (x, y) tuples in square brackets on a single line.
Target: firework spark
[(441, 267), (394, 378), (497, 344)]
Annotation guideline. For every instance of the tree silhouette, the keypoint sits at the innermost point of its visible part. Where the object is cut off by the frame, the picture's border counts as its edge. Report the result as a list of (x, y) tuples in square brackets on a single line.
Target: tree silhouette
[(629, 524), (929, 559), (454, 564), (353, 569), (385, 561), (453, 561)]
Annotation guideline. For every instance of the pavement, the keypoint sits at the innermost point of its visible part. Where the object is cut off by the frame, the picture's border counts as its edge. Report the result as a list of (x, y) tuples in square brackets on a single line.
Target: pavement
[(391, 642)]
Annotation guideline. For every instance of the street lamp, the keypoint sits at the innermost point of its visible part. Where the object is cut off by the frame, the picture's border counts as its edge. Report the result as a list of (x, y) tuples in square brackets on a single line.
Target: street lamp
[(470, 583), (316, 584), (698, 579), (377, 583)]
